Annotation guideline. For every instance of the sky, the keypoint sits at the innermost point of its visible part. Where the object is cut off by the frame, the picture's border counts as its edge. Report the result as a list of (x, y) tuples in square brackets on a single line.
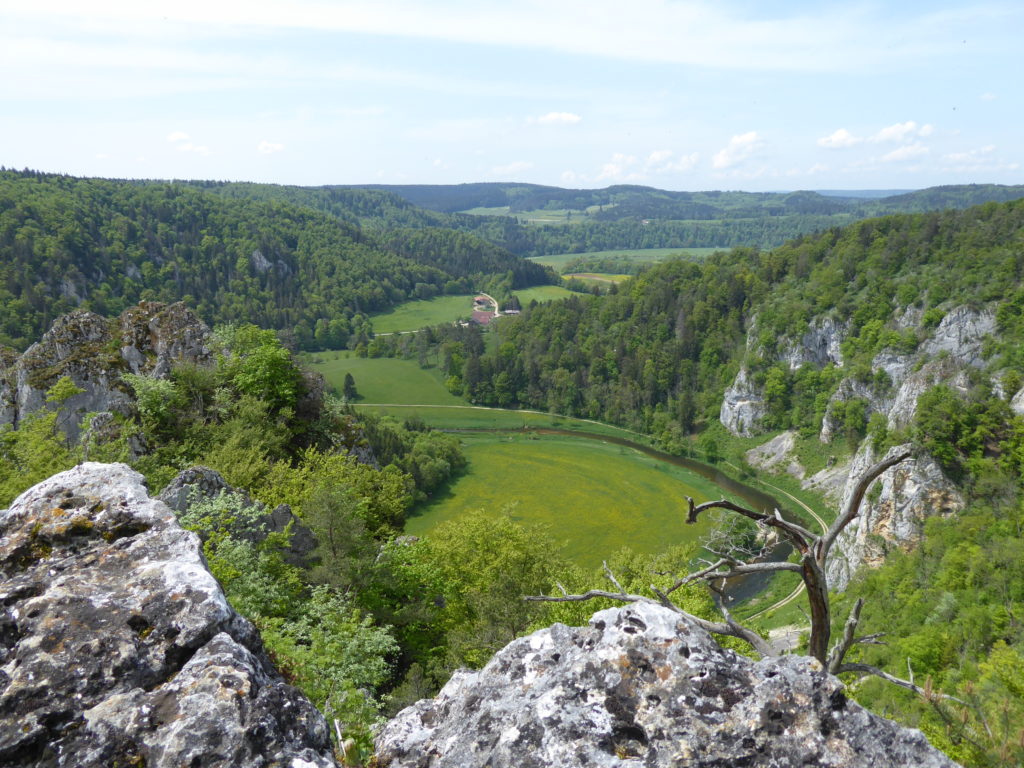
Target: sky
[(675, 94)]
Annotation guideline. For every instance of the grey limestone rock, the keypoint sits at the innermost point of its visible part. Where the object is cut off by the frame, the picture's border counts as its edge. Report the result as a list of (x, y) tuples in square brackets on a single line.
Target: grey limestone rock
[(777, 454), (961, 333), (95, 353), (1017, 403), (743, 406), (909, 493), (203, 483), (819, 346), (642, 686), (118, 647)]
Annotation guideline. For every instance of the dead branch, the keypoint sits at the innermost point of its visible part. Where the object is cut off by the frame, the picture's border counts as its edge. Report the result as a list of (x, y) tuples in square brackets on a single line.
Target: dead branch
[(853, 504)]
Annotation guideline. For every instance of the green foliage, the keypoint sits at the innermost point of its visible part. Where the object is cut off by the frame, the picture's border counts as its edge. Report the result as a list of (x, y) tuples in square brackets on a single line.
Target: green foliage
[(30, 454), (62, 391)]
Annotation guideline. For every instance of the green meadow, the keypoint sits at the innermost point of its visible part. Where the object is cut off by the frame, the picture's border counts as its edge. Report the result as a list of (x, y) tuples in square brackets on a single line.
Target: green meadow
[(542, 293), (402, 389), (384, 379), (413, 315), (639, 255), (593, 497)]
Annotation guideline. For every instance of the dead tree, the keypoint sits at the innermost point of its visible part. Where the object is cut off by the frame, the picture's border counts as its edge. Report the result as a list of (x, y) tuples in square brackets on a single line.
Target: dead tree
[(813, 550)]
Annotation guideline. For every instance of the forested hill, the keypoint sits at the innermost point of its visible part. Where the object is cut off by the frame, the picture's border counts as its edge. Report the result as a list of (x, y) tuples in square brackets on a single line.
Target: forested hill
[(657, 355), (546, 220), (103, 245)]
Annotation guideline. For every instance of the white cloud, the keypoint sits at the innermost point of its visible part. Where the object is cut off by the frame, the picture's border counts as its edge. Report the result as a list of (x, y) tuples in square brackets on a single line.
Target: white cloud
[(268, 147), (832, 37), (988, 96), (197, 149), (512, 169), (971, 155), (903, 132), (618, 168), (570, 177), (666, 161), (177, 136), (556, 118), (907, 152), (841, 139), (739, 149)]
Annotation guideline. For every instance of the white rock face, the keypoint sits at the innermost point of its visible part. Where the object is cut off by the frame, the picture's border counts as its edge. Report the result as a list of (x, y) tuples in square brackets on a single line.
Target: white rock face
[(1017, 404), (911, 492), (819, 346), (776, 455), (743, 406), (945, 357), (942, 371), (961, 333), (119, 647), (643, 686)]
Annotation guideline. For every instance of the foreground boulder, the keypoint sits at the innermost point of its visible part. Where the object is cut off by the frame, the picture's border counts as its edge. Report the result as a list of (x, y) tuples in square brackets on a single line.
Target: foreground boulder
[(643, 686), (118, 648)]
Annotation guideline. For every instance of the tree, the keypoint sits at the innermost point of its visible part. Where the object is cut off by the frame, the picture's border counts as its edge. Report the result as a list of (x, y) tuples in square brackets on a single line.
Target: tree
[(813, 550), (348, 389)]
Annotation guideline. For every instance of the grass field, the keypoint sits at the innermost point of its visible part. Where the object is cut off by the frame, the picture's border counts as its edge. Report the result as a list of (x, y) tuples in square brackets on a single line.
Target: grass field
[(410, 390), (384, 380), (640, 255), (542, 293), (413, 315), (598, 278), (595, 497)]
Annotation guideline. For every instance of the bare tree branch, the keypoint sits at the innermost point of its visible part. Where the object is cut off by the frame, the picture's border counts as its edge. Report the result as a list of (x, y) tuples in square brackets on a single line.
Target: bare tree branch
[(839, 650), (796, 533), (853, 504), (928, 693)]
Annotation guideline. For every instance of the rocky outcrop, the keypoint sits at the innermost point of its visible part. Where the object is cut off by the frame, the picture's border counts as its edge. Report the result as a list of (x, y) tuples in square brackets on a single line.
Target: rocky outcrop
[(643, 686), (743, 406), (1017, 403), (203, 484), (820, 346), (117, 646), (891, 517), (944, 370), (155, 336), (777, 455), (94, 353), (960, 334)]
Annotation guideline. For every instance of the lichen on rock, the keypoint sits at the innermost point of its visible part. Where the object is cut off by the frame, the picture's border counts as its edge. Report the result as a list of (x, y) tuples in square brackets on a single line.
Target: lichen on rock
[(641, 685), (118, 647)]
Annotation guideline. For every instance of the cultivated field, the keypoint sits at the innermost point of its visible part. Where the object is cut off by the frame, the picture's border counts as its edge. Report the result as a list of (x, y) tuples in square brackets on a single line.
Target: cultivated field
[(595, 497), (639, 255)]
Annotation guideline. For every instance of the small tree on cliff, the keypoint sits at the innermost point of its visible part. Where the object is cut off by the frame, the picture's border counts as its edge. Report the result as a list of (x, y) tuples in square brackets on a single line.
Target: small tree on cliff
[(813, 550)]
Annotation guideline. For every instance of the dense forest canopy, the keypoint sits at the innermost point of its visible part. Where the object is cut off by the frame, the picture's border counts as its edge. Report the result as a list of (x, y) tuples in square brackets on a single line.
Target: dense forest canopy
[(105, 245)]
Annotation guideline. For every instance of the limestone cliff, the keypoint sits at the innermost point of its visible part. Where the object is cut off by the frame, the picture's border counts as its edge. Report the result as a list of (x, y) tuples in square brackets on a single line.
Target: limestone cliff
[(892, 517), (642, 686), (949, 354), (743, 406), (118, 648), (94, 353)]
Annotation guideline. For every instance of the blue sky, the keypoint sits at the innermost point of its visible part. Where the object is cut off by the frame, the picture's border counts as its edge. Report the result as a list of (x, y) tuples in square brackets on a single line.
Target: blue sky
[(582, 93)]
